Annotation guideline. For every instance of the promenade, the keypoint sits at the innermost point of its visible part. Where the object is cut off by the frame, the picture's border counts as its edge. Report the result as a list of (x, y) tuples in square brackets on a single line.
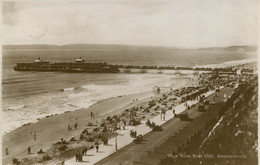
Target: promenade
[(139, 153), (124, 138)]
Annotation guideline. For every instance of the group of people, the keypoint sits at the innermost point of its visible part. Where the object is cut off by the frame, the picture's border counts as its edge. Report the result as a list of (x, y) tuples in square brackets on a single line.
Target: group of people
[(92, 115), (135, 100), (75, 125), (84, 151), (186, 105), (133, 133), (79, 157), (105, 141)]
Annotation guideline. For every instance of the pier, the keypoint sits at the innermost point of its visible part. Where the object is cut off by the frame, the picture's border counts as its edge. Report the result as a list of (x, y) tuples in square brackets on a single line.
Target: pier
[(80, 65)]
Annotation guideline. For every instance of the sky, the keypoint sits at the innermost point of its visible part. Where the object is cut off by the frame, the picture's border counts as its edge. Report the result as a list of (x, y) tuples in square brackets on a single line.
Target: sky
[(170, 23)]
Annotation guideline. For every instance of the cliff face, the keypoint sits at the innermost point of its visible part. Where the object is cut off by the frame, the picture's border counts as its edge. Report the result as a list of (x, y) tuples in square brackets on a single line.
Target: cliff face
[(234, 141), (237, 133)]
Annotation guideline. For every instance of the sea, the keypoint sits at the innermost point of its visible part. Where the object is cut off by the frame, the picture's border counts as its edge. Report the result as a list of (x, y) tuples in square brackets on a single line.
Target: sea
[(29, 96)]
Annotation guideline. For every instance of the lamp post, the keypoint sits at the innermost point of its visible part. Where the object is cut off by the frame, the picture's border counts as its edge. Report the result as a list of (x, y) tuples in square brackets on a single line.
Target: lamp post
[(116, 142), (115, 130)]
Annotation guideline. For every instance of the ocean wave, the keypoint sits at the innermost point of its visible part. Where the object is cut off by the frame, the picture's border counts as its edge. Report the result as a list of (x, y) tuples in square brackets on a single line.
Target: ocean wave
[(56, 102), (229, 63), (67, 89), (14, 107), (6, 81), (72, 105)]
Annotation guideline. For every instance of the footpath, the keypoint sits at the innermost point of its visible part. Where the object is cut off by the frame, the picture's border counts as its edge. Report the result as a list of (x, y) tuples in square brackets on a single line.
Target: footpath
[(123, 139)]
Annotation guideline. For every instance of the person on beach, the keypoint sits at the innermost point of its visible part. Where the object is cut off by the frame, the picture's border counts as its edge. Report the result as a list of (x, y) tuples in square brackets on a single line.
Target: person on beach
[(29, 150), (16, 161), (75, 125), (40, 152), (6, 151), (92, 114), (34, 135), (69, 127)]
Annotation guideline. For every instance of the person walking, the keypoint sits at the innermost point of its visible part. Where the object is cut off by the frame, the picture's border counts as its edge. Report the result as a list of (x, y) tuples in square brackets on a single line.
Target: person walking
[(161, 114), (6, 151), (85, 150), (75, 125), (92, 114), (29, 150), (77, 157), (164, 114), (173, 111), (97, 147)]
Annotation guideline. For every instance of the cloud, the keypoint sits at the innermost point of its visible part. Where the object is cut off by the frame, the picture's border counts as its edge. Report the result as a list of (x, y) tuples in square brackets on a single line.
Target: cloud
[(10, 13), (156, 22)]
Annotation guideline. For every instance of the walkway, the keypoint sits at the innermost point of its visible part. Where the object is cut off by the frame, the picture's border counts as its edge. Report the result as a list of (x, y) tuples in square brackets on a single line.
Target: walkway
[(124, 139)]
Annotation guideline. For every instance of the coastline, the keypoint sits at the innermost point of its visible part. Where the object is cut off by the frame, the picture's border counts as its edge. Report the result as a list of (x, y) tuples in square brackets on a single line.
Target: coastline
[(229, 63), (19, 139), (36, 107)]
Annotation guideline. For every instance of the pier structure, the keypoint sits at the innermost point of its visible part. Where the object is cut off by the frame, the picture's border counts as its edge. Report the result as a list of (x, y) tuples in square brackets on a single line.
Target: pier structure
[(127, 70), (160, 70), (143, 70)]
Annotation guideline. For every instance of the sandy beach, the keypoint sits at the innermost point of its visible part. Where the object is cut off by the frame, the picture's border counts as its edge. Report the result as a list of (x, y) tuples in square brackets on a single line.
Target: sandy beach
[(44, 133)]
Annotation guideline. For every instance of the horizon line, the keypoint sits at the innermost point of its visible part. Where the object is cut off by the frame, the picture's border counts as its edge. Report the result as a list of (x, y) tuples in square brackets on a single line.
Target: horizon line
[(171, 47)]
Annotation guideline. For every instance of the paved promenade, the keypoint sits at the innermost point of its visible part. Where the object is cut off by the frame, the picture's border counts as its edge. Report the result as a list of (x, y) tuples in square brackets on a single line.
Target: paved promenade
[(124, 139)]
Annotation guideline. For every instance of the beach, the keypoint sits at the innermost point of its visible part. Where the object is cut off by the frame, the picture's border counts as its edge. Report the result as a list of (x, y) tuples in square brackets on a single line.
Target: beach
[(30, 107), (51, 129)]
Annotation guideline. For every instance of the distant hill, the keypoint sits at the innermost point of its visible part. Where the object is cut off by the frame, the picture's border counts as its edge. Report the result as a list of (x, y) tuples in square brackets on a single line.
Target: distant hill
[(30, 46), (86, 47), (242, 48)]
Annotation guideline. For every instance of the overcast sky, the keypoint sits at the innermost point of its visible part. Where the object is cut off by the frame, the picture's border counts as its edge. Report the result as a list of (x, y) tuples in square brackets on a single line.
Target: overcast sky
[(175, 23)]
